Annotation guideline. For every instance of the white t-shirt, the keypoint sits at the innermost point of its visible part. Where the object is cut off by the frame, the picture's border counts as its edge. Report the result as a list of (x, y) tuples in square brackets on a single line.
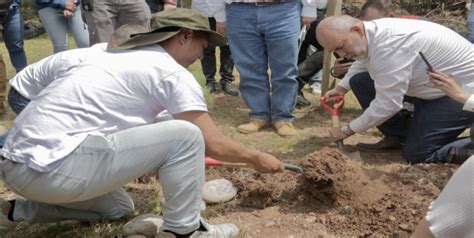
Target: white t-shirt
[(103, 95), (35, 77), (397, 69)]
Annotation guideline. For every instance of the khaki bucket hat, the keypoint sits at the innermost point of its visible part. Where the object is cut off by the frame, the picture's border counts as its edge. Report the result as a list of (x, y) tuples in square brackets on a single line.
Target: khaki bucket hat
[(168, 23)]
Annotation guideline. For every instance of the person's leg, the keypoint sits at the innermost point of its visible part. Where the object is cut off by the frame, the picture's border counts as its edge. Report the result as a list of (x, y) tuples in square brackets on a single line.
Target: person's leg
[(435, 124), (14, 36), (226, 71), (249, 52), (16, 101), (363, 88), (101, 20), (280, 25), (470, 25), (3, 84), (56, 26), (208, 62), (79, 29), (101, 165), (133, 12)]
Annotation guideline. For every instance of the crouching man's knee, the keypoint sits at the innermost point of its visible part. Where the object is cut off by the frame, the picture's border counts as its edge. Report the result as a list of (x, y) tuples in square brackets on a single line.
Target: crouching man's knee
[(121, 207)]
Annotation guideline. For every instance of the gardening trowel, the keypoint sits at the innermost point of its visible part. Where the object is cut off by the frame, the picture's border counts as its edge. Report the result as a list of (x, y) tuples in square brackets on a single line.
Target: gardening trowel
[(335, 110)]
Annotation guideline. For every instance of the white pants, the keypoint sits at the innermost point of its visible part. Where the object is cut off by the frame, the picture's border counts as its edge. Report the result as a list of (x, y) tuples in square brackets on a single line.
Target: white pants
[(88, 183)]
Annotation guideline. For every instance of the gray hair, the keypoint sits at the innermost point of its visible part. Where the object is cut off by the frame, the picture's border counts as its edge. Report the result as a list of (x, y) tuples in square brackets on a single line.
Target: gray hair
[(342, 24)]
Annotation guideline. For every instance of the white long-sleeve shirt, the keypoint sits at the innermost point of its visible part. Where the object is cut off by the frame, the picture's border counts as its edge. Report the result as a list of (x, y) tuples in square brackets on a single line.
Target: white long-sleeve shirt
[(216, 8), (397, 69)]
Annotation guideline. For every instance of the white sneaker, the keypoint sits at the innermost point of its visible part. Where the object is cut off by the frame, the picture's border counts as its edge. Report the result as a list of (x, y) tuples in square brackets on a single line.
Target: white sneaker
[(212, 231), (316, 88), (5, 224)]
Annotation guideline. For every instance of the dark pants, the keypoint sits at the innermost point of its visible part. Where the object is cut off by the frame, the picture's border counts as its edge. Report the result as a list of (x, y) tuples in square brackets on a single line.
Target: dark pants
[(363, 88), (208, 62), (17, 103), (309, 67), (434, 128)]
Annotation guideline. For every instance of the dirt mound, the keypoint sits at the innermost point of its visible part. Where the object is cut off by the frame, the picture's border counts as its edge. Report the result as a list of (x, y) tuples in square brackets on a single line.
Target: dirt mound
[(346, 196)]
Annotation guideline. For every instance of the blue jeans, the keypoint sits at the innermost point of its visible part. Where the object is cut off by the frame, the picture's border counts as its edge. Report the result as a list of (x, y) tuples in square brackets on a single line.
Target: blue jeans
[(57, 27), (470, 25), (435, 127), (17, 103), (260, 36), (13, 34)]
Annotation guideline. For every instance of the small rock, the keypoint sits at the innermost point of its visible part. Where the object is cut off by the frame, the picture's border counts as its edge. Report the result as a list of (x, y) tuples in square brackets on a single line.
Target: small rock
[(310, 219), (145, 225), (392, 218), (271, 224), (404, 227), (414, 212)]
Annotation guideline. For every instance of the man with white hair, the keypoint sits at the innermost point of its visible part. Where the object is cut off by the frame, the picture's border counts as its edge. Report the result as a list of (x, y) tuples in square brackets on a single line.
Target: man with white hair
[(389, 49)]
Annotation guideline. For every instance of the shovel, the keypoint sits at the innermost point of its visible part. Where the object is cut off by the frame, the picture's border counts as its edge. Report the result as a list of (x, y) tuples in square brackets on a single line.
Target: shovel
[(208, 161), (335, 110)]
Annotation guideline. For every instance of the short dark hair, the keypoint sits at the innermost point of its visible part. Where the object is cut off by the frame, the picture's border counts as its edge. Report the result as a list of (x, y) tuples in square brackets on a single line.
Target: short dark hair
[(383, 6)]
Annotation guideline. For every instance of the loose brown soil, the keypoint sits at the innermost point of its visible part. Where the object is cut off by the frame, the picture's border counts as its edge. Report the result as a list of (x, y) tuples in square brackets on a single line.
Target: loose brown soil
[(334, 196)]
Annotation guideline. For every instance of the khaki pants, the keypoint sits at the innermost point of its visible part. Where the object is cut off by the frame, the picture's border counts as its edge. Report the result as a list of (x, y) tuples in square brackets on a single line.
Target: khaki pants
[(3, 84)]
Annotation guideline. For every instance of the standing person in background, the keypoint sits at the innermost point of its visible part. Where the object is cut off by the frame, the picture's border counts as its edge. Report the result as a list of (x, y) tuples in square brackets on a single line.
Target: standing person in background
[(263, 34), (160, 5), (208, 62), (470, 21), (103, 17), (11, 26), (13, 32), (60, 16)]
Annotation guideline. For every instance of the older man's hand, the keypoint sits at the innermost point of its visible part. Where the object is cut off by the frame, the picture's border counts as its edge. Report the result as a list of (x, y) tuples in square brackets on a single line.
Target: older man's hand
[(336, 134)]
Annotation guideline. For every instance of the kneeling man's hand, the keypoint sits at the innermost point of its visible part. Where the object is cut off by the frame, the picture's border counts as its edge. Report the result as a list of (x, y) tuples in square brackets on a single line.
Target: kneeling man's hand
[(337, 134)]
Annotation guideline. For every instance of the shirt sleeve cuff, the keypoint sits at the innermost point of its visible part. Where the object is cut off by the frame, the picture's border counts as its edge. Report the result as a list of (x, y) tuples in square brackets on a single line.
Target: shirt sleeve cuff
[(469, 105)]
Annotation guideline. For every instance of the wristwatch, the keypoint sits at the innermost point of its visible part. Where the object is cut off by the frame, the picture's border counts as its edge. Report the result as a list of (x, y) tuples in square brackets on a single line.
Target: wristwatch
[(346, 130), (333, 74)]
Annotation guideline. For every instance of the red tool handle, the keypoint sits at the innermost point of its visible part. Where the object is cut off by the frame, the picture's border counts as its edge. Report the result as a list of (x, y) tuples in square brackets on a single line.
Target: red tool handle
[(208, 161), (336, 108)]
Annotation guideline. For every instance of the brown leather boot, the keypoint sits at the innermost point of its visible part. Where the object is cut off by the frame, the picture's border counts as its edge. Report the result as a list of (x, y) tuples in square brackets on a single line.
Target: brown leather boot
[(285, 128), (254, 125)]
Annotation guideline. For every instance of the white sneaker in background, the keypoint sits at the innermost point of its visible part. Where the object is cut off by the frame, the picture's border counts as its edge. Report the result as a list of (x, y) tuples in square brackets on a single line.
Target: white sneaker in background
[(316, 88)]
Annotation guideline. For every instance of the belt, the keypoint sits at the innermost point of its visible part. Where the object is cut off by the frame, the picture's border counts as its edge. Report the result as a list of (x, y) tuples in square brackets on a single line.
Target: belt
[(261, 4)]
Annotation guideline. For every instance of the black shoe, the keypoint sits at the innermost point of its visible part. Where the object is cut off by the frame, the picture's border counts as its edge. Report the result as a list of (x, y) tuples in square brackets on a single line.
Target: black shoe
[(301, 101), (212, 87), (229, 89), (387, 143)]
